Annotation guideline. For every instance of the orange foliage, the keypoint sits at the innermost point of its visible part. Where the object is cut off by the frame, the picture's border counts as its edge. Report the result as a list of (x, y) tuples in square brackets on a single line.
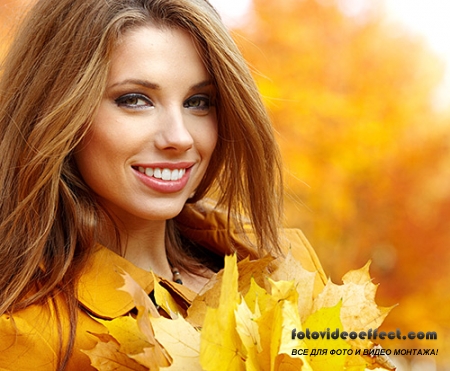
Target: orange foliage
[(366, 152)]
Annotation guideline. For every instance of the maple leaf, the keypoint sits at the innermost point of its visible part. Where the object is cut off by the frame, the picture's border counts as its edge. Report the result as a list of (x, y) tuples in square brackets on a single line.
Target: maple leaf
[(209, 296), (284, 362), (153, 356), (106, 355), (165, 300), (359, 310), (138, 342), (220, 347), (276, 322), (247, 327), (291, 269), (257, 298), (140, 297), (131, 341), (248, 330), (275, 315), (126, 332), (320, 321), (181, 340), (254, 330)]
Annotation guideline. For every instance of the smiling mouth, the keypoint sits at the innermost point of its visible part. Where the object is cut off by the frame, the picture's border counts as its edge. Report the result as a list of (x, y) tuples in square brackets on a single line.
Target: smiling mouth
[(162, 173)]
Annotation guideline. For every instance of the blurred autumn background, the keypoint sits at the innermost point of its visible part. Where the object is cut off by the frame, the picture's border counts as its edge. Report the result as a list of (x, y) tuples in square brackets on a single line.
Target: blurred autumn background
[(366, 150)]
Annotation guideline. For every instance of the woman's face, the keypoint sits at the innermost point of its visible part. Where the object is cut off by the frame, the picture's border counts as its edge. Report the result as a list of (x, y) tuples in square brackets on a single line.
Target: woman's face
[(155, 130)]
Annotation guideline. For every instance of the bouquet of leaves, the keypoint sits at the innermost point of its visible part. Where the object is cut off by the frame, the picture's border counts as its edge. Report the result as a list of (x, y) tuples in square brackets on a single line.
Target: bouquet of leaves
[(247, 319)]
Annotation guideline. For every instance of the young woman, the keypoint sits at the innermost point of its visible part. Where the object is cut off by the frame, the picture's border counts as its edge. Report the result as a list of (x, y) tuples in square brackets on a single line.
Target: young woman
[(120, 122)]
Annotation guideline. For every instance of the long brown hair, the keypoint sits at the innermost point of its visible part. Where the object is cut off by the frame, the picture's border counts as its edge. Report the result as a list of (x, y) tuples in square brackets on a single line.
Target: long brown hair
[(51, 85)]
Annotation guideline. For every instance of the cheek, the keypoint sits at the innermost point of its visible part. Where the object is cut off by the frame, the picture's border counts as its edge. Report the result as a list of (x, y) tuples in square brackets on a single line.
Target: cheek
[(93, 155), (207, 140), (86, 159)]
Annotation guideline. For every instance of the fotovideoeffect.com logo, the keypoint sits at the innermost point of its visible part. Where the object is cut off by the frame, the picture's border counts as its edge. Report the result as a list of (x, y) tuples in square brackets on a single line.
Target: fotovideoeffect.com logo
[(370, 334)]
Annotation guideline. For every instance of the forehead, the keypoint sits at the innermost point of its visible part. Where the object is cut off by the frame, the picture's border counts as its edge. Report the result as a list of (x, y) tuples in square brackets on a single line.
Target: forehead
[(155, 50)]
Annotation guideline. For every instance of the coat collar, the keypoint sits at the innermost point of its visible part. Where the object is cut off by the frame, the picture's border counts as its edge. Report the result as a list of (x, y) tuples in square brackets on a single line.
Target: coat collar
[(98, 287)]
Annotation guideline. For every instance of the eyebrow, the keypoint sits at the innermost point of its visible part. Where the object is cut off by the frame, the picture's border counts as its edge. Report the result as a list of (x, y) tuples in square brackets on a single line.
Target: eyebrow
[(153, 86)]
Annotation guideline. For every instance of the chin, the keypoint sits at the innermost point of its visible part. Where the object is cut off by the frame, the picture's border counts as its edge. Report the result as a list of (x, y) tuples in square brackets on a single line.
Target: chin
[(166, 211)]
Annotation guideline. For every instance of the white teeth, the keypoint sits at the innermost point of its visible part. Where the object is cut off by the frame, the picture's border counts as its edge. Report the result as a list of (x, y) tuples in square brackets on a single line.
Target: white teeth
[(164, 174), (174, 175), (157, 173)]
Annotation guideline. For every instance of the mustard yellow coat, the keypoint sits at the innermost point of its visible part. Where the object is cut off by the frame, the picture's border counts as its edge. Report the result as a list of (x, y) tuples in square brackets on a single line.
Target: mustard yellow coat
[(29, 339)]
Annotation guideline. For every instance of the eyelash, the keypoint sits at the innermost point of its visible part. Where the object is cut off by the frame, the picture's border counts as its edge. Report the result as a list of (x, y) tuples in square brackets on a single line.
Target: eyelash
[(122, 101), (197, 102), (203, 102)]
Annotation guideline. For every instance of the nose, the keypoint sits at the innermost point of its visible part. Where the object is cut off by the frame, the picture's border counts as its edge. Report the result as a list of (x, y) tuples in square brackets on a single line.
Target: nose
[(173, 133)]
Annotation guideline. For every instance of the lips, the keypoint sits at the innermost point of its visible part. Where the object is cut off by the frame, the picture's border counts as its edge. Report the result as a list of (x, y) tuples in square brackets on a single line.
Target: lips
[(164, 177)]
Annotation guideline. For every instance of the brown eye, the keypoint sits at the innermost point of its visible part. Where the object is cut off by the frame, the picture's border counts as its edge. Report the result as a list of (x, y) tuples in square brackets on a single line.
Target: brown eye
[(133, 101), (198, 102)]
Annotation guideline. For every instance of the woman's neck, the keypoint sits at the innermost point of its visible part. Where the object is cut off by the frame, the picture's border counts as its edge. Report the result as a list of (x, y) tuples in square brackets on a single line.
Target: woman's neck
[(144, 246), (147, 250)]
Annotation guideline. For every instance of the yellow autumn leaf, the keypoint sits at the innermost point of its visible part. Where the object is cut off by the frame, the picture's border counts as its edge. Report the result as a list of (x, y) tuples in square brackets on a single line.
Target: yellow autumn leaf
[(181, 340), (283, 362), (290, 320), (248, 270), (359, 310), (291, 269), (248, 330), (322, 322), (165, 300), (278, 316), (269, 323), (106, 356), (287, 312), (220, 346), (126, 347), (153, 356), (170, 343), (247, 327), (135, 340), (140, 297), (283, 290), (127, 333), (256, 270), (207, 298), (257, 298)]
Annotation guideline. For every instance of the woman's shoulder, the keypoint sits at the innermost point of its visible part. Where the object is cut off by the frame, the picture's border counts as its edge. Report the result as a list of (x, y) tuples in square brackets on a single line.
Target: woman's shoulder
[(30, 338), (207, 225), (25, 336)]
